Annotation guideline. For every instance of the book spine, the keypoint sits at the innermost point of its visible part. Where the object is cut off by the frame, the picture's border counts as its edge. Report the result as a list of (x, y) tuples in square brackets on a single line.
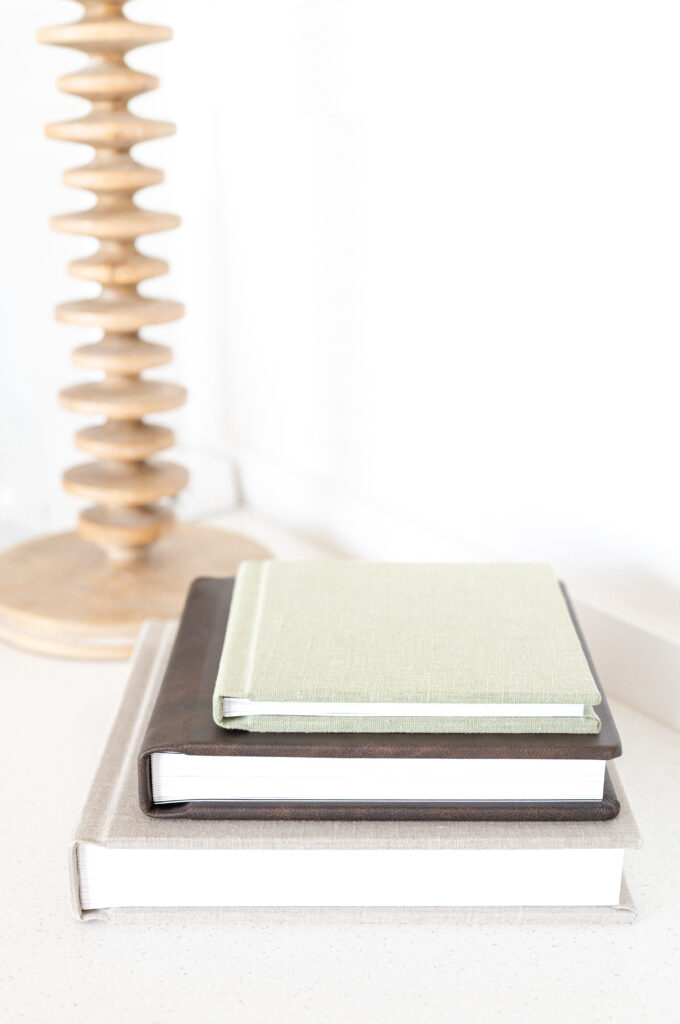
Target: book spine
[(149, 659), (622, 913), (235, 669)]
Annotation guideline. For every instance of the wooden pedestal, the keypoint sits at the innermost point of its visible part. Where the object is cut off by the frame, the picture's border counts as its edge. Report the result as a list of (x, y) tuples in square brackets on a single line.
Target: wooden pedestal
[(85, 594), (62, 595)]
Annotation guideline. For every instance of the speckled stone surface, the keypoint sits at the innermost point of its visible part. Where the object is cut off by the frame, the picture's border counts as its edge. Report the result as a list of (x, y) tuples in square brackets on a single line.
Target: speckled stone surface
[(54, 969)]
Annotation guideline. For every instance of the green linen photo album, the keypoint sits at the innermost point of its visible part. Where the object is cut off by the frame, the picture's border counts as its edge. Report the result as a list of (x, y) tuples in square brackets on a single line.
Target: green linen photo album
[(382, 647)]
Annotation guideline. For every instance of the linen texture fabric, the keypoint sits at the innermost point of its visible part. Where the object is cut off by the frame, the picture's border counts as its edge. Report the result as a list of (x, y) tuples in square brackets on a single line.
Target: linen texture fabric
[(423, 633)]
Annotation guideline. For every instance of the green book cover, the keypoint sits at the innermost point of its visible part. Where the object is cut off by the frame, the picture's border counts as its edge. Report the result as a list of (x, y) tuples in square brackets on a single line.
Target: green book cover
[(378, 633)]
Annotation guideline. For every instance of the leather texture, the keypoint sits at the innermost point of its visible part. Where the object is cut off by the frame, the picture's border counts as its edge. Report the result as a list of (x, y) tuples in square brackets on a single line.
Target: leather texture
[(182, 721)]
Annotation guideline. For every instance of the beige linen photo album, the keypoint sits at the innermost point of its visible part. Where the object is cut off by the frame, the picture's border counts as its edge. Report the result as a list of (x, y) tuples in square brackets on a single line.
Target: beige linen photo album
[(126, 865)]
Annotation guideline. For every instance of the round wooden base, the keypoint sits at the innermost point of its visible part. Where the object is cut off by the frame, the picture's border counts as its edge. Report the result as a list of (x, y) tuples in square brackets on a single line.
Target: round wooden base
[(61, 595)]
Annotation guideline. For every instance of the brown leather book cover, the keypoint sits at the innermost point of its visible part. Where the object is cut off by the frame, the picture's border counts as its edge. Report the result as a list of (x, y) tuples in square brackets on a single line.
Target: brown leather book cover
[(182, 721)]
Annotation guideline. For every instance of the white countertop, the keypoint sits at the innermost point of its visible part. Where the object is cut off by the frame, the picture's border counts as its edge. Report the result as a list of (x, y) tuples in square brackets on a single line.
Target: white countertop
[(55, 969)]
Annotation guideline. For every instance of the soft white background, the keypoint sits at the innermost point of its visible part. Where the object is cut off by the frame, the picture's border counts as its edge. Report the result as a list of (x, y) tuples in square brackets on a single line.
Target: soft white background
[(430, 260)]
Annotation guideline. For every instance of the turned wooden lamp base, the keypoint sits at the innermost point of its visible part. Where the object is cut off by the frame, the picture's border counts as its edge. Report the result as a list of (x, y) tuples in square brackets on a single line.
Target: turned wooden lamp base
[(62, 595), (84, 596)]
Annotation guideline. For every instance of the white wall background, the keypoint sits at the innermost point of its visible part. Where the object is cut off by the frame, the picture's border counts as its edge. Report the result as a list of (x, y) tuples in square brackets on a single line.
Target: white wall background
[(430, 259)]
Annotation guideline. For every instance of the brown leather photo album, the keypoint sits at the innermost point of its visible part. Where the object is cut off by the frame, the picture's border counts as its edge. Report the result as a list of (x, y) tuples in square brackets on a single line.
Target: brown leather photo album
[(182, 724)]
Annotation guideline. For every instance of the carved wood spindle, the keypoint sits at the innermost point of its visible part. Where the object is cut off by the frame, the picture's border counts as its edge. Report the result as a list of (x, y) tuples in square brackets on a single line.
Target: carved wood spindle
[(60, 593), (125, 482)]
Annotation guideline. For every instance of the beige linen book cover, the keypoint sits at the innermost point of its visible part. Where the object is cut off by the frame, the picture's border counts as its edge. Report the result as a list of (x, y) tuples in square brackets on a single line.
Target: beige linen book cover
[(112, 818), (474, 635)]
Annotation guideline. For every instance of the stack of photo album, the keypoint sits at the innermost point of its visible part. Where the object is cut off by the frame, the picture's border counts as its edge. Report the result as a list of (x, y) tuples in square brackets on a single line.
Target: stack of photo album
[(366, 739)]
